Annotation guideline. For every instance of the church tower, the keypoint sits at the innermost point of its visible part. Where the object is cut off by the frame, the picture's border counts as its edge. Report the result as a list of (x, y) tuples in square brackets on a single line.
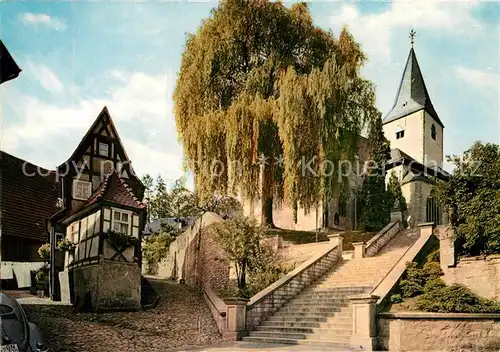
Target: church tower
[(413, 125)]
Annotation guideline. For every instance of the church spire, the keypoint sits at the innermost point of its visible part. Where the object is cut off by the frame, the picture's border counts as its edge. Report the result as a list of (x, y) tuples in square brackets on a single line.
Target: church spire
[(412, 94)]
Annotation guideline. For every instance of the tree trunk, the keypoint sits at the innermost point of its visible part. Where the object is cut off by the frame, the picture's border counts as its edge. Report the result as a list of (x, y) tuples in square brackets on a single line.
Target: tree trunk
[(267, 188), (267, 212)]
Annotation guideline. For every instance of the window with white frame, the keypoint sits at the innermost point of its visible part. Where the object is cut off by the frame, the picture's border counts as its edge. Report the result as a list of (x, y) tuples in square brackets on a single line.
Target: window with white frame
[(121, 221), (82, 189), (75, 232)]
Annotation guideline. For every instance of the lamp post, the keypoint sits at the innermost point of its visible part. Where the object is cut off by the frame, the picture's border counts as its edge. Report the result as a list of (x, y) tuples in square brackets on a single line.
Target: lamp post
[(8, 67)]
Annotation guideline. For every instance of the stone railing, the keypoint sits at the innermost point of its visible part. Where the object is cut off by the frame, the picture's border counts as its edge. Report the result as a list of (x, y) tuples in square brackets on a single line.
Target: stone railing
[(422, 331), (381, 239), (274, 296), (217, 308), (421, 246)]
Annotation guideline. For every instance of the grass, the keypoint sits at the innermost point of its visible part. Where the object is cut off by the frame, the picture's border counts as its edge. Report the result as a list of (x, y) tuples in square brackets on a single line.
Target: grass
[(304, 237)]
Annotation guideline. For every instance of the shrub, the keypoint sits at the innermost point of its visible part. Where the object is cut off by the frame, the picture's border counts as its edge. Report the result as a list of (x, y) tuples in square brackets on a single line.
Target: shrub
[(44, 251), (455, 299), (396, 298), (433, 285), (414, 281), (155, 248), (434, 256), (432, 270)]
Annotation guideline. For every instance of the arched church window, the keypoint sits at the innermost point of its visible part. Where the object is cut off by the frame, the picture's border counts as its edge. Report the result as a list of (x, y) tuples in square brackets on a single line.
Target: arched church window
[(432, 213), (433, 132)]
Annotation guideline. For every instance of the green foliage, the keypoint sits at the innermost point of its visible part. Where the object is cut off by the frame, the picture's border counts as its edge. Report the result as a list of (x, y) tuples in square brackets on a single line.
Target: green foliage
[(435, 296), (396, 298), (415, 278), (240, 238), (259, 82), (66, 245), (155, 248), (455, 299), (44, 251), (433, 284), (375, 202), (119, 241), (472, 199), (181, 202), (42, 277)]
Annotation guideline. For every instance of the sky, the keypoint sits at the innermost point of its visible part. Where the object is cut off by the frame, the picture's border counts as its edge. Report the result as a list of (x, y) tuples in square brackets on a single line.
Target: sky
[(78, 57)]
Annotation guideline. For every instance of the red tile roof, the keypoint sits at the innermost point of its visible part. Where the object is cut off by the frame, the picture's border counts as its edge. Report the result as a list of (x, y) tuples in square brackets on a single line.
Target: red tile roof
[(116, 190), (28, 198)]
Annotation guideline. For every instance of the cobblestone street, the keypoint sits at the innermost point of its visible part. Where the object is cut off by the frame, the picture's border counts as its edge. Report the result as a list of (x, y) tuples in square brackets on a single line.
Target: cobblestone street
[(180, 321)]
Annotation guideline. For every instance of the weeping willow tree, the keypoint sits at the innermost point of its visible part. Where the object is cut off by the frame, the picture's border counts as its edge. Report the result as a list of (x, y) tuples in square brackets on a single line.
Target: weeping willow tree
[(265, 102)]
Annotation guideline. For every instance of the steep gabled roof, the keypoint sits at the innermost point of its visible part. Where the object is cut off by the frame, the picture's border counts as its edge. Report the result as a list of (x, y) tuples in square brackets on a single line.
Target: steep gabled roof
[(29, 195), (8, 67), (115, 190), (412, 93)]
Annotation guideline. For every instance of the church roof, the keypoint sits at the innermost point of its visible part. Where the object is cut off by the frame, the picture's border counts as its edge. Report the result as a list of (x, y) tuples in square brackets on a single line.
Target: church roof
[(412, 93), (398, 157)]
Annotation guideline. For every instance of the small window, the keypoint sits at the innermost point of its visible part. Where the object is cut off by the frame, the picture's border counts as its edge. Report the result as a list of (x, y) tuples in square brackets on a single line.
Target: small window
[(82, 189), (121, 222), (103, 149), (433, 132), (400, 134)]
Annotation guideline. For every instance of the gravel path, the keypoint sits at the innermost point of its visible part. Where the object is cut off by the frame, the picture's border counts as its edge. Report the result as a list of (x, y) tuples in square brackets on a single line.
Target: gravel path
[(181, 320)]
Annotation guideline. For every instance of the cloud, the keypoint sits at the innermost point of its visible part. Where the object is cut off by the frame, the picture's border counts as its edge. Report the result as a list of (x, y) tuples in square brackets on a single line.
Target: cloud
[(485, 80), (42, 19), (46, 77), (47, 133), (374, 30)]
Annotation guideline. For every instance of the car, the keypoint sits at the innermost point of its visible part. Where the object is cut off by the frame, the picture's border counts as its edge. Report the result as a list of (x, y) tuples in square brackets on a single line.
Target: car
[(17, 333)]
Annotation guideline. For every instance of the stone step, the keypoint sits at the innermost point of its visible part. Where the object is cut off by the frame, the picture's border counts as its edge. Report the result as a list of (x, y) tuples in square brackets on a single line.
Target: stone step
[(343, 323), (312, 314), (280, 340), (341, 319), (312, 309), (307, 330)]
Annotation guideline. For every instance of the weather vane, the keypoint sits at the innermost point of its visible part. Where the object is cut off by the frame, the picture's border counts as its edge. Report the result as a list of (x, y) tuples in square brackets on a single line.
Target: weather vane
[(412, 37)]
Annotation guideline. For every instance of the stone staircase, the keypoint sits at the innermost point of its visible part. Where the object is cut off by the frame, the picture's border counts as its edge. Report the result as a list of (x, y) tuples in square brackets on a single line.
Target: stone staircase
[(321, 314)]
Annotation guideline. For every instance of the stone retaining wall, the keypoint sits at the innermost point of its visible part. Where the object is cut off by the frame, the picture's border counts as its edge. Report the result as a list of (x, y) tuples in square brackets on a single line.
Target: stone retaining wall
[(436, 331), (381, 239), (273, 297)]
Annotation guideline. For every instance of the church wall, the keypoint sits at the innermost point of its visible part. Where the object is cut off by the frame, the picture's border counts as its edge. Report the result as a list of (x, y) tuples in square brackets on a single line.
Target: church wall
[(283, 216), (416, 194), (433, 149), (412, 142)]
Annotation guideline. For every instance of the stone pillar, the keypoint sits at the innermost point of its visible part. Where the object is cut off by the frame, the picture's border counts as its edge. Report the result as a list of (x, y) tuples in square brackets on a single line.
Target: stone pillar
[(397, 215), (364, 335), (236, 312), (426, 228), (65, 288), (359, 249), (447, 254), (338, 240)]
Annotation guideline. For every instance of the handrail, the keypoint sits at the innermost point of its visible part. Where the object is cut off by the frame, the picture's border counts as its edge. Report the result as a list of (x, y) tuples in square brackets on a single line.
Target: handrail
[(288, 277), (221, 307), (387, 227)]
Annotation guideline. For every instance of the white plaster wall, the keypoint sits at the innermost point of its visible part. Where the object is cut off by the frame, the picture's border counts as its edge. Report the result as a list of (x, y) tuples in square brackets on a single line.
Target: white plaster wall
[(412, 142), (433, 149)]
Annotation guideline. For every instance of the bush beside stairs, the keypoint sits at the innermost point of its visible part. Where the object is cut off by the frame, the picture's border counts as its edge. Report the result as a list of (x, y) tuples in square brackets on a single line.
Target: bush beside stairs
[(321, 313)]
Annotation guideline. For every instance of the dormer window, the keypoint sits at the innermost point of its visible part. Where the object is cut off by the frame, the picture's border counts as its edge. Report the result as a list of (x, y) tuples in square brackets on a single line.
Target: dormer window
[(433, 132), (82, 189)]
